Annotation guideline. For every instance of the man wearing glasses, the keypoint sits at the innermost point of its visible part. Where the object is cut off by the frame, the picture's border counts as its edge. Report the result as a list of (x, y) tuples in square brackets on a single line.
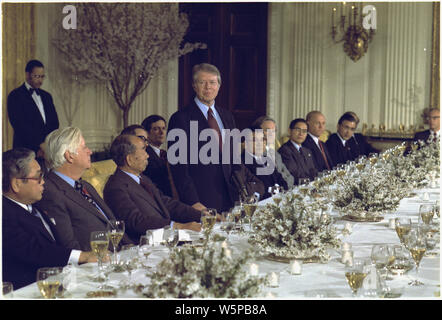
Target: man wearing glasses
[(434, 127), (31, 110), (29, 237), (339, 145), (297, 158)]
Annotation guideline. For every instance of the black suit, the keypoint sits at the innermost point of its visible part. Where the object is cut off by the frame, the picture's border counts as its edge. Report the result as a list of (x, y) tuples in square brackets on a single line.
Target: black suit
[(359, 146), (75, 217), (199, 182), (26, 120), (27, 245), (319, 161), (269, 180), (157, 171), (340, 153), (422, 135), (140, 210), (300, 163)]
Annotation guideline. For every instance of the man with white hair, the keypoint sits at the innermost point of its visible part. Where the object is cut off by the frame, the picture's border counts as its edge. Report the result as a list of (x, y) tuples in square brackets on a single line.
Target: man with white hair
[(74, 204)]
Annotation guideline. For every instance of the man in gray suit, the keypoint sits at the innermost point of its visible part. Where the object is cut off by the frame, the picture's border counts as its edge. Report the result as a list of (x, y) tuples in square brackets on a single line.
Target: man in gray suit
[(298, 159), (73, 203), (136, 200)]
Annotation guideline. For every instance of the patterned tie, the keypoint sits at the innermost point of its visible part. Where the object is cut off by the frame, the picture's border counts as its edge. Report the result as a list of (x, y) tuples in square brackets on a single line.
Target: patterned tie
[(82, 190), (323, 153), (35, 213), (163, 155), (214, 125)]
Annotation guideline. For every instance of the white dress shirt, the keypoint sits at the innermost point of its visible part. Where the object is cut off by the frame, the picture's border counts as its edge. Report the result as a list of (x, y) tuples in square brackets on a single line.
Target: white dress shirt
[(205, 110), (38, 102)]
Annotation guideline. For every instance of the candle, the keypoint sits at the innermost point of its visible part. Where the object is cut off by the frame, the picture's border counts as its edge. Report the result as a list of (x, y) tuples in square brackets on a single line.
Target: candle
[(228, 253), (348, 228), (296, 267), (273, 279), (347, 258), (392, 223), (224, 244), (253, 269), (346, 246), (426, 196)]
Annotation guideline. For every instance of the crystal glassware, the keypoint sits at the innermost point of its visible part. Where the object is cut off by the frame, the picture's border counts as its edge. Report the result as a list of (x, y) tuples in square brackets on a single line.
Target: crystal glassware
[(49, 280), (416, 244), (115, 230), (99, 241), (355, 275)]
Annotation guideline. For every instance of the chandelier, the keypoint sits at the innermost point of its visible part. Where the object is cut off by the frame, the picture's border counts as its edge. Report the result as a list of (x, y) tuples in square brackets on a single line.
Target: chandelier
[(353, 29)]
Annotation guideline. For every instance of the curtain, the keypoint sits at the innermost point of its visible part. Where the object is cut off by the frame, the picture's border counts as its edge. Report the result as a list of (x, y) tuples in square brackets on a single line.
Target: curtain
[(19, 45)]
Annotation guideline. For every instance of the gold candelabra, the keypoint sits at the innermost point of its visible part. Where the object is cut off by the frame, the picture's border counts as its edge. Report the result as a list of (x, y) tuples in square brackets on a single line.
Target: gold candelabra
[(352, 30)]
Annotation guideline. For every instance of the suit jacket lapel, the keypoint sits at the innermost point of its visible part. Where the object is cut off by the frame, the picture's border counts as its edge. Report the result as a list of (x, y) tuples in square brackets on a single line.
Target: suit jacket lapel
[(75, 196), (35, 110)]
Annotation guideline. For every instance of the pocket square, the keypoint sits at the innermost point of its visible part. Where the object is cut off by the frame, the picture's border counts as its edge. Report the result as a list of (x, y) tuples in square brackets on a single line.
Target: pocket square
[(53, 221)]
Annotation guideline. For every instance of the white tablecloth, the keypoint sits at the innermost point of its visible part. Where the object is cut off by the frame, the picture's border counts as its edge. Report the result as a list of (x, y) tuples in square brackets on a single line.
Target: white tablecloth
[(316, 281)]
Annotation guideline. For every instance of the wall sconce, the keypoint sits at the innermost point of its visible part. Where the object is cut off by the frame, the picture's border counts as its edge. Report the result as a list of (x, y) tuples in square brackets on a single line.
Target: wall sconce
[(353, 31)]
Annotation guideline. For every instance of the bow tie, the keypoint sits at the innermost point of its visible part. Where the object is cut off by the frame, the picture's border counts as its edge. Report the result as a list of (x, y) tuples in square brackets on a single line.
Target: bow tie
[(31, 91)]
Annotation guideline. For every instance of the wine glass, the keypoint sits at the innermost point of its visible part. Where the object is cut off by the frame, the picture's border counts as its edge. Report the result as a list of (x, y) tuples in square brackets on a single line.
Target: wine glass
[(228, 223), (250, 208), (145, 247), (237, 215), (170, 237), (403, 227), (129, 260), (208, 221), (115, 230), (48, 281), (426, 213), (380, 255), (355, 275), (99, 243), (416, 244), (8, 289)]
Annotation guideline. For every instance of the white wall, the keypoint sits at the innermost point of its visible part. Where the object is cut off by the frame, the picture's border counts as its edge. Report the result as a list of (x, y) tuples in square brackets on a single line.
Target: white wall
[(307, 71)]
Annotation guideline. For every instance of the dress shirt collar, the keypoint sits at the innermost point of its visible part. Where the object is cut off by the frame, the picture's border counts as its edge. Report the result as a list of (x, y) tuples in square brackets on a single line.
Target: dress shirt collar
[(157, 150), (204, 108), (24, 206), (69, 180), (28, 86), (133, 176), (340, 138), (297, 146), (315, 139)]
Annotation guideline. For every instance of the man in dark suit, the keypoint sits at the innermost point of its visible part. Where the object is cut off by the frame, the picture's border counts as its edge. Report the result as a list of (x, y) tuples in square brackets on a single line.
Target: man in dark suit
[(316, 126), (254, 157), (158, 168), (358, 142), (202, 182), (28, 236), (73, 203), (297, 158), (31, 110), (433, 119), (135, 199), (340, 144)]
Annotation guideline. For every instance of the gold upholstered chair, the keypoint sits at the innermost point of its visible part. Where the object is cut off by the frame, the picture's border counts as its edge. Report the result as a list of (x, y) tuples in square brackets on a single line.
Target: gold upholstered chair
[(98, 174)]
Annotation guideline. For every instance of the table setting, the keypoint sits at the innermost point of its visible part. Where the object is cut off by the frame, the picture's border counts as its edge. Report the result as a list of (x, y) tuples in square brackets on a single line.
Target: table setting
[(369, 229)]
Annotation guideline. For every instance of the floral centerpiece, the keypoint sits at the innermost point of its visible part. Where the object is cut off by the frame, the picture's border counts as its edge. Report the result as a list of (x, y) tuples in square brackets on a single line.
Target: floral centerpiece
[(371, 192), (209, 271), (294, 229)]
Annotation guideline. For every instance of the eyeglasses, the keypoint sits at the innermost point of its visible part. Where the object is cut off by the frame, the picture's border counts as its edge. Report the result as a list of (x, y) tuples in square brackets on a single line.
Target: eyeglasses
[(211, 83), (299, 130), (37, 76), (39, 179), (143, 138)]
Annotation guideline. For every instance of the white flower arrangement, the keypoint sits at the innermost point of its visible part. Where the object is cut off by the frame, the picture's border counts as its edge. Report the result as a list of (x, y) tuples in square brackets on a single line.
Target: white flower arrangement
[(294, 229), (209, 271)]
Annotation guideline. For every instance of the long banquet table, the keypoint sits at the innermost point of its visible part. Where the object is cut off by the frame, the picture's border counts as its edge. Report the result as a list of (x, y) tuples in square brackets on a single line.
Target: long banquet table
[(316, 280)]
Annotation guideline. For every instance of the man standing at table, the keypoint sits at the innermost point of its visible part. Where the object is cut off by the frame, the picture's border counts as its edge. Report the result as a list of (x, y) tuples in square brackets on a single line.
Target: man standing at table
[(200, 183), (73, 203), (31, 110), (434, 127), (28, 235), (316, 127)]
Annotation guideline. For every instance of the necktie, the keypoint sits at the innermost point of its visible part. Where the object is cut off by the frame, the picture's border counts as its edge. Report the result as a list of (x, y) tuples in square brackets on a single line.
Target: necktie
[(82, 190), (146, 186), (323, 153), (31, 91), (35, 213), (214, 125)]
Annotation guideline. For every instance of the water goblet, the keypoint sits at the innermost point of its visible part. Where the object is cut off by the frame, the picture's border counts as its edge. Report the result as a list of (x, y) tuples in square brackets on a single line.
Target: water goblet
[(170, 237), (48, 281), (129, 260), (99, 241), (145, 247), (115, 230), (416, 244), (355, 275), (426, 213), (380, 256), (228, 223)]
